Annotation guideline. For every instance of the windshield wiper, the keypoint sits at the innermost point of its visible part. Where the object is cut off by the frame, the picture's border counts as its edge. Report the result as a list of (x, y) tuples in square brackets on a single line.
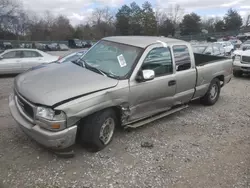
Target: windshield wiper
[(113, 75), (87, 66), (76, 62)]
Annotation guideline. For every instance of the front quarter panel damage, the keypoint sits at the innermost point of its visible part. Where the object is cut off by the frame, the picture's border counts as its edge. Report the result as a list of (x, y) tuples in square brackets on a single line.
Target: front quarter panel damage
[(84, 106)]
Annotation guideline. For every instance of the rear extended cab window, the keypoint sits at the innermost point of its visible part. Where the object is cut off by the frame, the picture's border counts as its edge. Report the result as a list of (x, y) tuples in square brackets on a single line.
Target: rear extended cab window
[(181, 57)]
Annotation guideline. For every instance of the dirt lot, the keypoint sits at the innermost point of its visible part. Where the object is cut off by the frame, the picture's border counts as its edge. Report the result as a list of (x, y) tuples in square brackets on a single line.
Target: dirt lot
[(200, 147)]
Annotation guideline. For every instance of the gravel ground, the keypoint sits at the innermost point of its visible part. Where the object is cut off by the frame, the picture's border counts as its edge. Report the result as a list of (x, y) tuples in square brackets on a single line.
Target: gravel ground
[(199, 147)]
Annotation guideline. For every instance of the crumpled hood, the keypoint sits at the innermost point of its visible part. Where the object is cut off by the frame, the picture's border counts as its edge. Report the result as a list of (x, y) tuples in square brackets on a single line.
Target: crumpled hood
[(59, 82)]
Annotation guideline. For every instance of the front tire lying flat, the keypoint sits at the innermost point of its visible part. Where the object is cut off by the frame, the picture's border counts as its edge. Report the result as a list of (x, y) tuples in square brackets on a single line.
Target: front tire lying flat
[(213, 93), (98, 129)]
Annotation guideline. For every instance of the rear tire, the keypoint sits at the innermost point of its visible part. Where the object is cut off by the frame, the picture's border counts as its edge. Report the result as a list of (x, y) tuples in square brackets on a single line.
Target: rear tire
[(98, 129), (237, 73), (213, 93)]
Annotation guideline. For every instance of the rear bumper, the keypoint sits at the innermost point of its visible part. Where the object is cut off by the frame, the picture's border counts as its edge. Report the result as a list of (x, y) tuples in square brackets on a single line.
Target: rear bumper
[(53, 140)]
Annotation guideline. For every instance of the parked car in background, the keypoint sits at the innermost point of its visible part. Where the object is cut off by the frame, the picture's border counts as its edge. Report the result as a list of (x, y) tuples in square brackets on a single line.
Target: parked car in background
[(75, 43), (19, 60), (243, 37), (63, 47), (209, 49), (26, 45), (68, 58), (87, 44), (52, 47), (236, 42), (245, 45), (211, 39), (228, 46), (72, 57), (241, 63), (125, 81), (6, 45), (39, 46)]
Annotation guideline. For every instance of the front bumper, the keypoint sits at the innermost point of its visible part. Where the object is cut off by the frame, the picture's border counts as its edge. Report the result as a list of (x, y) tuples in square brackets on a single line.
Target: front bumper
[(54, 140), (242, 68), (238, 66)]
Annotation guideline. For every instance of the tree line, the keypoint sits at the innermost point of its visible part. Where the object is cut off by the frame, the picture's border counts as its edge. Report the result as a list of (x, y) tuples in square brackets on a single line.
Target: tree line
[(130, 19)]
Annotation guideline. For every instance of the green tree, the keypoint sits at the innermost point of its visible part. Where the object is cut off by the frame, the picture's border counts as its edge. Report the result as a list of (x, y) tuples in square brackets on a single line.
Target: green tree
[(219, 26), (61, 29), (149, 22), (190, 24), (122, 20), (78, 33), (233, 20), (208, 24), (167, 28), (135, 19)]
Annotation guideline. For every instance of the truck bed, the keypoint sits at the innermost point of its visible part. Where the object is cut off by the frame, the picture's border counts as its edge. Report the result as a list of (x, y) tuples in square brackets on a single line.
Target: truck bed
[(202, 59)]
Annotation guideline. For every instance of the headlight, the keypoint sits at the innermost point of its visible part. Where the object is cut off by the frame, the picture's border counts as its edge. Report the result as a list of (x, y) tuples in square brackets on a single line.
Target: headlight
[(237, 58), (51, 119)]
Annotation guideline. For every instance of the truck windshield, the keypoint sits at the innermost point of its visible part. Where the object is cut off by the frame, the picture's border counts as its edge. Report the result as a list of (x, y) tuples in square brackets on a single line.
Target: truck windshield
[(112, 58)]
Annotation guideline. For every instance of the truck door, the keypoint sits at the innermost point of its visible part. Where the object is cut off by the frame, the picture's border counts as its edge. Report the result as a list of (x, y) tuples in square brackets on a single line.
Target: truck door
[(150, 97), (185, 73)]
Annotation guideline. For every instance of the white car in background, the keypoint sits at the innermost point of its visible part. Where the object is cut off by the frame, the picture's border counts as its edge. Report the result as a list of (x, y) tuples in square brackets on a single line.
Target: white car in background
[(241, 62), (73, 57), (228, 46), (19, 60)]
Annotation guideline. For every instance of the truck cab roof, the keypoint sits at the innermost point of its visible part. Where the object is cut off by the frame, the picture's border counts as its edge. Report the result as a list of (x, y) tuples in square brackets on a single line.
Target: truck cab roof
[(142, 41)]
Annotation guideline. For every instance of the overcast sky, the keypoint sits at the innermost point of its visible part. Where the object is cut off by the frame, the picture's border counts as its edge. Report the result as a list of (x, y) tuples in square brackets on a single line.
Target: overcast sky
[(78, 11)]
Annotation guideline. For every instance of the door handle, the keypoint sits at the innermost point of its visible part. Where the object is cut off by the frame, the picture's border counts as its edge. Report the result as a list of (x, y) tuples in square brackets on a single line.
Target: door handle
[(171, 82)]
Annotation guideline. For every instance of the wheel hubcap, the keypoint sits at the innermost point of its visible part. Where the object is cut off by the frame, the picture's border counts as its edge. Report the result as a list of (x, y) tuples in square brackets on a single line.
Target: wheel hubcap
[(107, 130), (213, 92)]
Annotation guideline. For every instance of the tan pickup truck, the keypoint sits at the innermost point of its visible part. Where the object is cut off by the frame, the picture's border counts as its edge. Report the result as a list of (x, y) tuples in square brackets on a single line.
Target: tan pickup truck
[(121, 81)]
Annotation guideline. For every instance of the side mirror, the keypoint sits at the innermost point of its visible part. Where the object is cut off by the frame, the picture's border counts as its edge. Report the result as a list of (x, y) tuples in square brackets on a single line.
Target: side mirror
[(146, 75), (1, 57)]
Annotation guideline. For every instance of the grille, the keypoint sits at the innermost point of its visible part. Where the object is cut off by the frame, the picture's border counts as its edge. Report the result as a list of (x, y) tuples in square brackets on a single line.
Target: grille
[(27, 109), (245, 59)]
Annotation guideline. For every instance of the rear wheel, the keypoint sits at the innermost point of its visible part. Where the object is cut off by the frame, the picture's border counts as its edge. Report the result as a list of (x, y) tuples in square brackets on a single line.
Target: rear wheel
[(213, 93), (98, 129), (237, 73)]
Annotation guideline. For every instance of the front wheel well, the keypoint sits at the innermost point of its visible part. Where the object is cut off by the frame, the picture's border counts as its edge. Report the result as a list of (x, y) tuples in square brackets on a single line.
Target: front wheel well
[(221, 78), (118, 112)]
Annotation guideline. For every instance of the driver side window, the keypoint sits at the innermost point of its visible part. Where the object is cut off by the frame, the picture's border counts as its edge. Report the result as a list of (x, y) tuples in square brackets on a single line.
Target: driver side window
[(160, 61)]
